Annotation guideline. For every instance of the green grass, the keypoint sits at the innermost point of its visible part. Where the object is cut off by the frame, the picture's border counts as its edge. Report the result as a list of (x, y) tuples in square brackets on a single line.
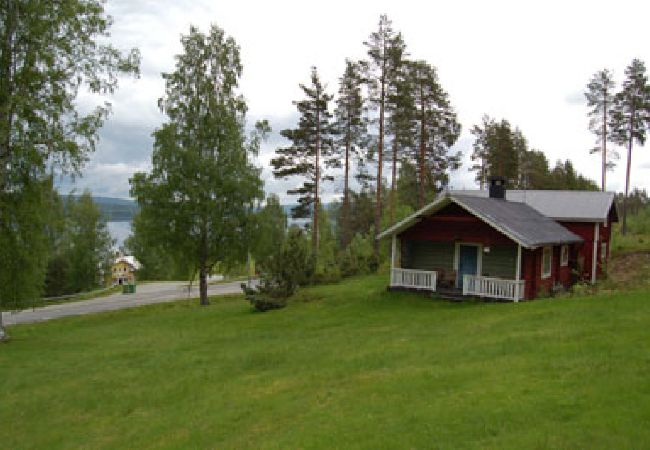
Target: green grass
[(344, 366), (637, 237)]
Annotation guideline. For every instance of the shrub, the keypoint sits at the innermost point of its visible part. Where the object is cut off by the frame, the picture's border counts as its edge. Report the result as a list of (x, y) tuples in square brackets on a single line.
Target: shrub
[(281, 273), (358, 258)]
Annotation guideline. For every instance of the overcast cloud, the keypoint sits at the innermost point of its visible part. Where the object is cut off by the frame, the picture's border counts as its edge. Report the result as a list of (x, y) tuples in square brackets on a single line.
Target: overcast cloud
[(527, 62)]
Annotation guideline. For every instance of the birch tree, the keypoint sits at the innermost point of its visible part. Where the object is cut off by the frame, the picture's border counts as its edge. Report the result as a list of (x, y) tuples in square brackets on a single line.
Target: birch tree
[(199, 196)]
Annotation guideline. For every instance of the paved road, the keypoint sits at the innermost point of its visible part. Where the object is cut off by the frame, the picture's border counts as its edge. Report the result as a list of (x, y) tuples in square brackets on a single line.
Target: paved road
[(146, 294)]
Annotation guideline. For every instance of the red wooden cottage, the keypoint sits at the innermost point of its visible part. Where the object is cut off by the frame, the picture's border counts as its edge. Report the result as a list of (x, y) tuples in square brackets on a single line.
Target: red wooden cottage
[(511, 245)]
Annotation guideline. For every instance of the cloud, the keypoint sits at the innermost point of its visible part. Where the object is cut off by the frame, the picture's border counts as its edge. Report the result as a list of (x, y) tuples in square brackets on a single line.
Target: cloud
[(108, 180), (576, 98)]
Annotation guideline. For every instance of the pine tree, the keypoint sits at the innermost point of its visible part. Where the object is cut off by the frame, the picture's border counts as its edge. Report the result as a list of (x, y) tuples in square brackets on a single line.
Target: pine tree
[(481, 150), (385, 51), (199, 196), (401, 125), (631, 117), (351, 127), (497, 147), (312, 145), (600, 98), (436, 129)]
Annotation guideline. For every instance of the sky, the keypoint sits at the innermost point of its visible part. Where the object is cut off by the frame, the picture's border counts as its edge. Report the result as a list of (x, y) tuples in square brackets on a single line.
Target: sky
[(524, 61)]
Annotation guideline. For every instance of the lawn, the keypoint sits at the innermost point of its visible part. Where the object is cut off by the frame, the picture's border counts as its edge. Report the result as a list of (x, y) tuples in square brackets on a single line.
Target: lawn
[(344, 366)]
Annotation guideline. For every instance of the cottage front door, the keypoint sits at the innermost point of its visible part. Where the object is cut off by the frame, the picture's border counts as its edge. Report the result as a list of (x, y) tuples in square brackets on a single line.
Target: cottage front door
[(467, 262)]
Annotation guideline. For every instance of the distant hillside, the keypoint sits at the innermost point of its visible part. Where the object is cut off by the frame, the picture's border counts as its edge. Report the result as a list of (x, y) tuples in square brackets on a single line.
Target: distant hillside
[(115, 209), (123, 210)]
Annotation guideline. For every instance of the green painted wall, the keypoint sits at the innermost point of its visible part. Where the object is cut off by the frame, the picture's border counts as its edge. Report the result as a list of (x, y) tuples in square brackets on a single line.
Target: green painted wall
[(428, 255), (500, 262)]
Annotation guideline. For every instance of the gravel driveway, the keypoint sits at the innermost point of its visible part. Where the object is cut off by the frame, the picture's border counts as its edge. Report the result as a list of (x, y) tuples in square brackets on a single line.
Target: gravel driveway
[(146, 294)]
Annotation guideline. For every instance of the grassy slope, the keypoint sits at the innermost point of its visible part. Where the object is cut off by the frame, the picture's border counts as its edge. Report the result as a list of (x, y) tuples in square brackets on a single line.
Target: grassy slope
[(354, 368)]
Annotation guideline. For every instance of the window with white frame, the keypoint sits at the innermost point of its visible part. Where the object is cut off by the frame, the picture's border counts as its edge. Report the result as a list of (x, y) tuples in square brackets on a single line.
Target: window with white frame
[(547, 257), (564, 255)]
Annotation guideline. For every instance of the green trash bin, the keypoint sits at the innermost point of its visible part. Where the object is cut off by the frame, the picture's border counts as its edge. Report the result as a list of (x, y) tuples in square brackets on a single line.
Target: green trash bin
[(128, 289)]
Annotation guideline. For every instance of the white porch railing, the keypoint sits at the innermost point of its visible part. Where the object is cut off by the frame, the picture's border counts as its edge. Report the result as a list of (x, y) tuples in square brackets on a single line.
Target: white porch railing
[(417, 279), (493, 287)]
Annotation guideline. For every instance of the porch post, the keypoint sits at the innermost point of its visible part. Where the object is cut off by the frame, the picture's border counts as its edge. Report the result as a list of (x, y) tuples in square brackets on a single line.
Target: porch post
[(594, 256), (518, 273), (393, 259)]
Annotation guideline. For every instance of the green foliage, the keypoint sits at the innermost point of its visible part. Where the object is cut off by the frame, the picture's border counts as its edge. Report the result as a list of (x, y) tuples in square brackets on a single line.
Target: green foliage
[(358, 258), (49, 52), (81, 255), (157, 262), (434, 126), (24, 216), (564, 176), (311, 146), (292, 265), (631, 117), (496, 150), (327, 265), (499, 150), (600, 100), (351, 127), (385, 50), (199, 196), (269, 229)]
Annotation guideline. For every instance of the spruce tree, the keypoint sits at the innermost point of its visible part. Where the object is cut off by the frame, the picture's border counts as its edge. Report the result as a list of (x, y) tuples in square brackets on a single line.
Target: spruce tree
[(631, 118), (385, 50), (600, 100), (351, 129), (311, 147)]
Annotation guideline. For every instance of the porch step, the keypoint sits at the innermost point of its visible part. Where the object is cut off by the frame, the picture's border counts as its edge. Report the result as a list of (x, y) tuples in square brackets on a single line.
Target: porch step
[(454, 295)]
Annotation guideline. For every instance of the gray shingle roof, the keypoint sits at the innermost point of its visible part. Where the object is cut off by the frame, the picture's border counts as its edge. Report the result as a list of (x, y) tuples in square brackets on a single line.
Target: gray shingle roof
[(570, 206), (520, 222)]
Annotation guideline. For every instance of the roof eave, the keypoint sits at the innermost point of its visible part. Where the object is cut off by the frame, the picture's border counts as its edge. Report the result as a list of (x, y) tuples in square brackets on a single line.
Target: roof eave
[(415, 217)]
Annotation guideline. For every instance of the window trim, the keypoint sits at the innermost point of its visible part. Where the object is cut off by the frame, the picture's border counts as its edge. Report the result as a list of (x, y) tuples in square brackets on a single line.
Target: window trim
[(564, 255), (547, 251)]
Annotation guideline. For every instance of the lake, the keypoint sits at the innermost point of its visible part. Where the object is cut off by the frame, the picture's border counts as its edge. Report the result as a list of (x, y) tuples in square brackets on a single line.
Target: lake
[(119, 231)]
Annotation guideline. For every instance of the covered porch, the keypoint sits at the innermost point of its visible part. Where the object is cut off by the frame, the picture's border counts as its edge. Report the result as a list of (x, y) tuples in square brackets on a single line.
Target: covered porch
[(466, 268)]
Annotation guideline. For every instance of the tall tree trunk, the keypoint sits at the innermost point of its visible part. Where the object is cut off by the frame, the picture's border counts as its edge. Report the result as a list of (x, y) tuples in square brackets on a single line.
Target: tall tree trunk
[(393, 184), (380, 162), (345, 237), (203, 269), (203, 285), (316, 187), (604, 144), (6, 88), (422, 154), (627, 172)]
